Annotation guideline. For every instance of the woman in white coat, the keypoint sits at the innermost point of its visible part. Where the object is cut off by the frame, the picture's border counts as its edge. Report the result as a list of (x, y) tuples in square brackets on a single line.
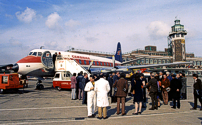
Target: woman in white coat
[(102, 88), (91, 97)]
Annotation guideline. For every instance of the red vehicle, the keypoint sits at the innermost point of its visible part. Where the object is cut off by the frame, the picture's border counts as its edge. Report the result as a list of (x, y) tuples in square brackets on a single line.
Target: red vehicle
[(10, 81), (62, 80)]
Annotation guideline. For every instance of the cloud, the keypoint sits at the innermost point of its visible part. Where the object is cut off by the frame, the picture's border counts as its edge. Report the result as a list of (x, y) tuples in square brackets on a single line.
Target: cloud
[(53, 20), (158, 30), (72, 23), (27, 16)]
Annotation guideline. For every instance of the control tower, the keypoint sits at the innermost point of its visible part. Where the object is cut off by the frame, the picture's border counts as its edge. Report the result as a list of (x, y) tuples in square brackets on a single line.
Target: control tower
[(176, 42)]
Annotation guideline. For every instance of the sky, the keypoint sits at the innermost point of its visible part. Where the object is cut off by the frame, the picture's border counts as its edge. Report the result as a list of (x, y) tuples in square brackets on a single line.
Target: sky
[(94, 25)]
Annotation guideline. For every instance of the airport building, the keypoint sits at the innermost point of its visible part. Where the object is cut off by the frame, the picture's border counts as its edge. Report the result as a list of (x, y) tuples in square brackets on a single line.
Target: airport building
[(175, 52)]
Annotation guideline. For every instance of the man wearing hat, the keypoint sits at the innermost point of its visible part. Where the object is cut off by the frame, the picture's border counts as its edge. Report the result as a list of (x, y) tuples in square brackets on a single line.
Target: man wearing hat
[(175, 87), (197, 87)]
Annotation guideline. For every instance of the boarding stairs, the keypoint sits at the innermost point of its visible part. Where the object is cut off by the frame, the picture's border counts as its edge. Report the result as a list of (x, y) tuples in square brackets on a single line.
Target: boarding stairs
[(70, 65)]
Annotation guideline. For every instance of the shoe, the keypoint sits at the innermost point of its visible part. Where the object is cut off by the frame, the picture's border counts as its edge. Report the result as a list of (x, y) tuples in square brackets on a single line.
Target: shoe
[(91, 116), (156, 108), (192, 108), (139, 113), (134, 113), (117, 113), (99, 118), (200, 109), (151, 109), (178, 107), (123, 114), (143, 106), (105, 118), (173, 107)]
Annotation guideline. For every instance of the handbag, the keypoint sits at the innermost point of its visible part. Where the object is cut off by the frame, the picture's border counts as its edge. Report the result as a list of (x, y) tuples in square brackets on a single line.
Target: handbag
[(168, 89)]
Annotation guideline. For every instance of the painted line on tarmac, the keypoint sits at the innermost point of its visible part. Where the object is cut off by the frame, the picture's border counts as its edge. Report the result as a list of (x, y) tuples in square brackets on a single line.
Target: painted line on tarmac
[(95, 119), (66, 107)]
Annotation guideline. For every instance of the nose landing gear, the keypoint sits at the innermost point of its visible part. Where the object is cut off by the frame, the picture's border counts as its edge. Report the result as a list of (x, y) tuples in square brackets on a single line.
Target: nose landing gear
[(39, 86)]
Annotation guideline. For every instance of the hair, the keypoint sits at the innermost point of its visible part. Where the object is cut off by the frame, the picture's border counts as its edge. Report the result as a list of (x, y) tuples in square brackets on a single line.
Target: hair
[(74, 74), (183, 74), (122, 75), (195, 75), (85, 74), (101, 75), (173, 75), (78, 74), (81, 73), (142, 75), (92, 76), (137, 77)]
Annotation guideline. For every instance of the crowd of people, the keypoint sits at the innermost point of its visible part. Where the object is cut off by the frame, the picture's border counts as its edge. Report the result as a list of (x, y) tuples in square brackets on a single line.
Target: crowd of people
[(96, 90)]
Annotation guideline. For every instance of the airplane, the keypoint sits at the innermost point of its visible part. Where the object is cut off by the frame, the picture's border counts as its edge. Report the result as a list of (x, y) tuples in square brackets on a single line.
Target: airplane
[(39, 63)]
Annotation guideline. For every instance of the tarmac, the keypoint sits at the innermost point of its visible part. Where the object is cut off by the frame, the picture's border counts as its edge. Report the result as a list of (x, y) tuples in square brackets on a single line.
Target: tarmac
[(50, 106)]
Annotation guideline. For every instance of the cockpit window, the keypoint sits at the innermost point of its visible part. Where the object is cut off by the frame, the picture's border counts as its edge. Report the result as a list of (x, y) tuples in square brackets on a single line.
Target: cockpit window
[(30, 53), (34, 54), (39, 53)]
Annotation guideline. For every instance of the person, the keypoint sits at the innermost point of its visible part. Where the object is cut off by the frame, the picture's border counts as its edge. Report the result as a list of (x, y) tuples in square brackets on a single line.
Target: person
[(169, 76), (138, 97), (197, 86), (158, 78), (115, 77), (184, 86), (175, 87), (91, 96), (73, 86), (165, 83), (80, 77), (96, 77), (77, 86), (84, 81), (102, 88), (144, 82), (54, 59), (122, 89), (153, 92), (110, 80)]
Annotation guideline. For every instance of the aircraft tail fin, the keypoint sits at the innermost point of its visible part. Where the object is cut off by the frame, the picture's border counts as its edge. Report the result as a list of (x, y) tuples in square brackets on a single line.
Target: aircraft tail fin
[(118, 55)]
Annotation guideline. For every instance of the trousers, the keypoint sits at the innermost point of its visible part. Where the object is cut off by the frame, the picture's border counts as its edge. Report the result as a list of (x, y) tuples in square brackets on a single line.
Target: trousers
[(80, 93), (153, 96), (91, 103), (102, 110), (165, 97), (122, 99), (178, 103), (195, 100), (73, 93)]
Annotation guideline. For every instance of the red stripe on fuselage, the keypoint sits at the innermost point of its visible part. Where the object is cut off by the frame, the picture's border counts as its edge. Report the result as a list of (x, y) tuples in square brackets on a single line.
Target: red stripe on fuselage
[(30, 59)]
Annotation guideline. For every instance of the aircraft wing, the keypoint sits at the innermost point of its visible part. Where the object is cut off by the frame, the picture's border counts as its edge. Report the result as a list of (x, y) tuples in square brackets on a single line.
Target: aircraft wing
[(125, 68), (159, 65), (5, 66)]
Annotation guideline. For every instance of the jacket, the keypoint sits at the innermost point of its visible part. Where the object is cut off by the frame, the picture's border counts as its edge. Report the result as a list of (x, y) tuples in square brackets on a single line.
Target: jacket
[(153, 84), (197, 85), (102, 88), (166, 83), (73, 82), (174, 85), (184, 84), (120, 85)]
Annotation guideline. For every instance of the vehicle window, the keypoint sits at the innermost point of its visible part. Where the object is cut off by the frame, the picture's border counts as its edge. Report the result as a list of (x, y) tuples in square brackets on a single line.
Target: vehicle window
[(4, 79), (57, 75), (34, 54), (39, 53), (30, 53)]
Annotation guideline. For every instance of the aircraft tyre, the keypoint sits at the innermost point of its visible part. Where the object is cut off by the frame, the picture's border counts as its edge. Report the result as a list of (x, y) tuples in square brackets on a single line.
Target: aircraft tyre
[(40, 86), (58, 88)]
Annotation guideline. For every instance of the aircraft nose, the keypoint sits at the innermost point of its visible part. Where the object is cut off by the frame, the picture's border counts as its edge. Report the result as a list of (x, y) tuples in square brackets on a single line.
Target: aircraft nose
[(15, 67)]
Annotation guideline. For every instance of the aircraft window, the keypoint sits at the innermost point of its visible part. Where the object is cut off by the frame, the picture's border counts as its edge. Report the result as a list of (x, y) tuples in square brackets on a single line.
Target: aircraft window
[(57, 75), (110, 64), (34, 54), (85, 62), (101, 63), (107, 64), (97, 63), (104, 64), (93, 63), (89, 61), (30, 53), (39, 53), (80, 61)]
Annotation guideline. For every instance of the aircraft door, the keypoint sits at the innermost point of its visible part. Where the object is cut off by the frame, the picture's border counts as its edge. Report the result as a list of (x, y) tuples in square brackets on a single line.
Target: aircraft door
[(47, 60)]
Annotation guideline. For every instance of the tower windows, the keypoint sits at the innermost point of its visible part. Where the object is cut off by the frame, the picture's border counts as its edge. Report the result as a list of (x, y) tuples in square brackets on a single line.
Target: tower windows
[(177, 35)]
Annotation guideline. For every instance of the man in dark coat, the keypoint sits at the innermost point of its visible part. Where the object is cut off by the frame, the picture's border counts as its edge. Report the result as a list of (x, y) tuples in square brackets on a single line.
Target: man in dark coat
[(184, 86), (197, 86), (54, 58), (144, 82), (110, 80), (175, 87), (84, 81), (153, 92)]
